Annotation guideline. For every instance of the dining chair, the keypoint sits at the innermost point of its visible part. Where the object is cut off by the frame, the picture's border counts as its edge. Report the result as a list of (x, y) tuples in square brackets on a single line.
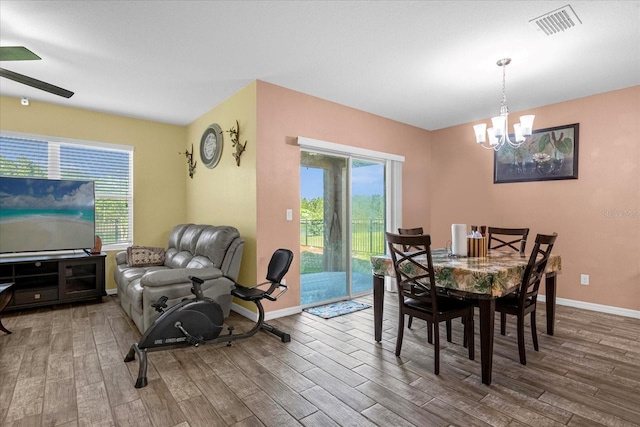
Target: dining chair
[(523, 300), (415, 231), (410, 231), (418, 296), (514, 238)]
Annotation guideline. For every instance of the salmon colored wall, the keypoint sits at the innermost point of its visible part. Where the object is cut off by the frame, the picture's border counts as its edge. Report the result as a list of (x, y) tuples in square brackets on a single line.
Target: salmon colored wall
[(226, 194), (159, 172), (283, 115), (597, 216)]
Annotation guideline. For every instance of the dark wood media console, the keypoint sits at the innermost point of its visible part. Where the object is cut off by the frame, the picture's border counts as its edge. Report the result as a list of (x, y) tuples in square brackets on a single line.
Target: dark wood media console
[(53, 279)]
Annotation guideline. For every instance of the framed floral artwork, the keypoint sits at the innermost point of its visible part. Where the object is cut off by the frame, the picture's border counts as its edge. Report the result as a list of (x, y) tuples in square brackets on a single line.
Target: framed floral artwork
[(547, 155)]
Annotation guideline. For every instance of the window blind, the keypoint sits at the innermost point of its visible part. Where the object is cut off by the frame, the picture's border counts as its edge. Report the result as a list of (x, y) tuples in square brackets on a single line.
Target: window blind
[(109, 166)]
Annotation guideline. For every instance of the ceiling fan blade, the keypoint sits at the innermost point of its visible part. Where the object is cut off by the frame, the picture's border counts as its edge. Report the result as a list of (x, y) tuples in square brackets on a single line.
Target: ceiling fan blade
[(38, 84), (17, 53)]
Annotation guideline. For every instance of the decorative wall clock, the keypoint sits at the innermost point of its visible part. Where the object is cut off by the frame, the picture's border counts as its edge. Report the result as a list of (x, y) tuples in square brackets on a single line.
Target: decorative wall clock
[(211, 146)]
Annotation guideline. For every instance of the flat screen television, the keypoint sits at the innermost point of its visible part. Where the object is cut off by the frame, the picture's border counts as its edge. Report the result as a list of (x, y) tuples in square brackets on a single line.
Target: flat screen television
[(39, 215)]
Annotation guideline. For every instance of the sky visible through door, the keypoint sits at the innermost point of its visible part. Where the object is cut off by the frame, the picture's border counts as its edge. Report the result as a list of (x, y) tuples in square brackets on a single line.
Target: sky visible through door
[(369, 182)]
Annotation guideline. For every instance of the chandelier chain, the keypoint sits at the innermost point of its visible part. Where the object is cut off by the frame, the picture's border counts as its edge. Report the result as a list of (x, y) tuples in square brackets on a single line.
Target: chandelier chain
[(504, 85)]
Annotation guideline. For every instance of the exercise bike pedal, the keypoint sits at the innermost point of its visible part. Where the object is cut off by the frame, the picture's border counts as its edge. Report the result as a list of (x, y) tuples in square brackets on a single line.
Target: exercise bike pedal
[(191, 339), (160, 304)]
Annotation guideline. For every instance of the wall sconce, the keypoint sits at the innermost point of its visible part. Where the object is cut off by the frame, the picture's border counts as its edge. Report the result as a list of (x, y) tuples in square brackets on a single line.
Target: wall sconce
[(190, 162), (235, 142)]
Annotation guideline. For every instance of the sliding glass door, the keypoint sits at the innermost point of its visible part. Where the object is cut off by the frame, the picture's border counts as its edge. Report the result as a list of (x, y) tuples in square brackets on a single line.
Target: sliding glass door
[(367, 220), (342, 213)]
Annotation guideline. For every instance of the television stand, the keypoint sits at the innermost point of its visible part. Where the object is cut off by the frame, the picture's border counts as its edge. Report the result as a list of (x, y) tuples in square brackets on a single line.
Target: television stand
[(53, 279)]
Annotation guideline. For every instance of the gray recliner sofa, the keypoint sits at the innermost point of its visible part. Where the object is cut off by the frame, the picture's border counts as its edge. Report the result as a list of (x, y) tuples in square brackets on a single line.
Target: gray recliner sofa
[(212, 253)]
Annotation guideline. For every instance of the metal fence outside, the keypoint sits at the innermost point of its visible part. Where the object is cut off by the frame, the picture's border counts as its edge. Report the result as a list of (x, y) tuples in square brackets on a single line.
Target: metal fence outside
[(367, 235)]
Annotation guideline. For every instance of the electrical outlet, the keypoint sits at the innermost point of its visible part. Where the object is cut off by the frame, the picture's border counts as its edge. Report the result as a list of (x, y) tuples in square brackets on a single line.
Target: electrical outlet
[(584, 279), (289, 214)]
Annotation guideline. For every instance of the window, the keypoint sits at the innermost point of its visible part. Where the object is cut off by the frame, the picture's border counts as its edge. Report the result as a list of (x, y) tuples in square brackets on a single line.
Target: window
[(109, 165)]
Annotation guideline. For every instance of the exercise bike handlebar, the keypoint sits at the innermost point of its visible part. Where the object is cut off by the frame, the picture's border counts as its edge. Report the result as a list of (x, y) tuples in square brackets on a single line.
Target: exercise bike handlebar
[(274, 286), (197, 288)]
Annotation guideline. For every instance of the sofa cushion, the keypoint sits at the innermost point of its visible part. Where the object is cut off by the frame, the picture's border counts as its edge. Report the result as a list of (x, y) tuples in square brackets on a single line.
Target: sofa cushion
[(133, 273), (130, 274), (200, 262), (144, 256), (176, 235), (190, 238), (178, 259), (213, 243)]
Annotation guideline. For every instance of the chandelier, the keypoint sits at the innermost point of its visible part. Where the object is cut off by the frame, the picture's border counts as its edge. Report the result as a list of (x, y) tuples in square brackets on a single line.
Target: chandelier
[(499, 134)]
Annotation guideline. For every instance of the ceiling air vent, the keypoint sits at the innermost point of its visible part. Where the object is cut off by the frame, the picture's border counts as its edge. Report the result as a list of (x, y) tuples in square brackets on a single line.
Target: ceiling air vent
[(556, 21)]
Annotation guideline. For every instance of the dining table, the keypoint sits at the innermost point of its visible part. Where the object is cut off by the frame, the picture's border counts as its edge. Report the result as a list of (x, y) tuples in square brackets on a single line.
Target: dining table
[(480, 278)]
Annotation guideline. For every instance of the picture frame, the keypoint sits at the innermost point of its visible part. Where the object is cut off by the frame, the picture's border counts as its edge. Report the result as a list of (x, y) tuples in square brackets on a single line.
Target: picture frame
[(547, 155)]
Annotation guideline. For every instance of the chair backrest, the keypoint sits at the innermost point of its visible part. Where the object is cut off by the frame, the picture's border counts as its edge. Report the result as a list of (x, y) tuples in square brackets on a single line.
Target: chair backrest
[(414, 269), (536, 267), (514, 238), (410, 232), (279, 265)]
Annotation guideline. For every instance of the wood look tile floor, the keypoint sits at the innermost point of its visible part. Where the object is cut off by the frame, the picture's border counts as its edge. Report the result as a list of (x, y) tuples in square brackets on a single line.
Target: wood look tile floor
[(64, 366)]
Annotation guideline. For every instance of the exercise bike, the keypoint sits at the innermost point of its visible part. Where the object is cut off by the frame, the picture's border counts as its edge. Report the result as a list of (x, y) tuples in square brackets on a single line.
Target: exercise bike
[(200, 320)]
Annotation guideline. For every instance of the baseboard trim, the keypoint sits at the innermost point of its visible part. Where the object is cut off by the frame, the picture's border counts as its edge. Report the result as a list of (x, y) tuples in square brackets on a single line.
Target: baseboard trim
[(252, 315), (245, 312), (283, 312), (595, 307)]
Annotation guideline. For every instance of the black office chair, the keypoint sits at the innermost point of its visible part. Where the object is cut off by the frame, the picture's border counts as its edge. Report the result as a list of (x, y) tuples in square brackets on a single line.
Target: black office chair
[(524, 300), (417, 294)]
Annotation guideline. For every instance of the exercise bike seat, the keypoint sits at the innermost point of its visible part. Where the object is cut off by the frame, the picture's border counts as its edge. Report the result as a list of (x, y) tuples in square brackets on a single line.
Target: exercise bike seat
[(248, 294), (278, 267)]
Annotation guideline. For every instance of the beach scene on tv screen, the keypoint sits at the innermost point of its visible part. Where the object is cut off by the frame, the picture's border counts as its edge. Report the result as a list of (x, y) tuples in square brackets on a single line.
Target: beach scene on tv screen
[(45, 215)]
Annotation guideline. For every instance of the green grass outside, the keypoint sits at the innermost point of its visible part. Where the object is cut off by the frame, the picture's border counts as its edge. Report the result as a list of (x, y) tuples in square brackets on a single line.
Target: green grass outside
[(312, 263)]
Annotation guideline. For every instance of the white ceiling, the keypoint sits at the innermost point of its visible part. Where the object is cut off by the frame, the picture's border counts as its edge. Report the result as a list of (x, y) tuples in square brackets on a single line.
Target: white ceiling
[(431, 64)]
